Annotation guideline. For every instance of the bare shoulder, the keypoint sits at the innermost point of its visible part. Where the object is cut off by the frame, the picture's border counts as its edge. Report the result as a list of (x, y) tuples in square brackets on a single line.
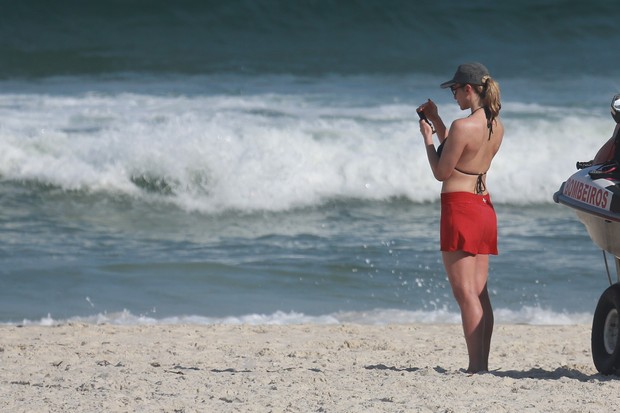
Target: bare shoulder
[(464, 128), (498, 123), (498, 128)]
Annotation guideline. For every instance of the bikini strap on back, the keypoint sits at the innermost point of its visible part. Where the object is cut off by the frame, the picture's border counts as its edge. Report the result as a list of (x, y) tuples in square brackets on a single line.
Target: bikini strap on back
[(480, 186)]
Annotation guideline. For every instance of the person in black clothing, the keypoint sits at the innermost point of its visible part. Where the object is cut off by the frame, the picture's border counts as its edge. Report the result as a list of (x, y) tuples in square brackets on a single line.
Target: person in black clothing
[(611, 149)]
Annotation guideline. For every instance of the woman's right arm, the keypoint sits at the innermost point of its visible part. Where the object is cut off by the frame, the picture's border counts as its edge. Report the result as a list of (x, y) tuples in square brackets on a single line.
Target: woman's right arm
[(440, 128), (432, 114)]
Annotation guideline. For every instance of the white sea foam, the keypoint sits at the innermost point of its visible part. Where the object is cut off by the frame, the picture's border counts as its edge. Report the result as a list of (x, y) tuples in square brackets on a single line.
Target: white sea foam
[(263, 150), (525, 315)]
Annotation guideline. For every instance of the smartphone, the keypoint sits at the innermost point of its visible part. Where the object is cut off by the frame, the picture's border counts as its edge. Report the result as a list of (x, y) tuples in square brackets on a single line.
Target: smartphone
[(423, 117)]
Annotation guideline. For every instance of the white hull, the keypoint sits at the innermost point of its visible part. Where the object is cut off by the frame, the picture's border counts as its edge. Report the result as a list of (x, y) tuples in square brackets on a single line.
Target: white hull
[(597, 204), (604, 233)]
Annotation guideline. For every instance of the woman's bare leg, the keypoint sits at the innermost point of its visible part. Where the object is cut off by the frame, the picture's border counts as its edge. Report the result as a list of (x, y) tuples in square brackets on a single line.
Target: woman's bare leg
[(487, 309), (468, 277)]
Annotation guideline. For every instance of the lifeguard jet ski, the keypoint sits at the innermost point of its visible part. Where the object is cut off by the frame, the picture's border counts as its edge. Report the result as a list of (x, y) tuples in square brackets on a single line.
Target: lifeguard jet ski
[(594, 193)]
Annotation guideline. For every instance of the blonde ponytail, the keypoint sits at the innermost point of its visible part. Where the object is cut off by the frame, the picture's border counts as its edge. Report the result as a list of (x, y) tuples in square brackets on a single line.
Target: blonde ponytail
[(489, 93)]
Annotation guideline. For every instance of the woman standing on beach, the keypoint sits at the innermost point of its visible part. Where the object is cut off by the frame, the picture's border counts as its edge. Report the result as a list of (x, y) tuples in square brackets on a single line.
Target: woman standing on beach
[(468, 232)]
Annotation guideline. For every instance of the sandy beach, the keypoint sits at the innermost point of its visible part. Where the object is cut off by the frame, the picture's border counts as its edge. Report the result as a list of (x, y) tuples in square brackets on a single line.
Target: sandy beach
[(297, 368)]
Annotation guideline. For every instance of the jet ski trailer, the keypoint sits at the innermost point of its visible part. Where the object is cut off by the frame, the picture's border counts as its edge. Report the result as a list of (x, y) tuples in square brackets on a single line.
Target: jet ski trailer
[(594, 193)]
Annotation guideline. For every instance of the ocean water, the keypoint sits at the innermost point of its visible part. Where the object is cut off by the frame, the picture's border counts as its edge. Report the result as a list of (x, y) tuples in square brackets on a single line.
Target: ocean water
[(260, 162)]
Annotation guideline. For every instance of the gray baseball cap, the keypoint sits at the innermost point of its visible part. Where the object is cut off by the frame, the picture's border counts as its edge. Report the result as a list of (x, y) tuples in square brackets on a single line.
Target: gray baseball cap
[(467, 73)]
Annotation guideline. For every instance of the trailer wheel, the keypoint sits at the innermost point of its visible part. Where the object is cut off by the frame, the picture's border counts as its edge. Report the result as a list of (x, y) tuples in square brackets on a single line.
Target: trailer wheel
[(606, 331)]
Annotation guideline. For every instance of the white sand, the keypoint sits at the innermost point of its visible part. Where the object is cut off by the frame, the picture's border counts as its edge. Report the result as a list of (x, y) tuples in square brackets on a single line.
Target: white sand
[(300, 368)]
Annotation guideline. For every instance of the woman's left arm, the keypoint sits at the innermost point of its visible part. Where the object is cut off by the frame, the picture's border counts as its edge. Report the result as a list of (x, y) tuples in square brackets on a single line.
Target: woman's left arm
[(453, 149)]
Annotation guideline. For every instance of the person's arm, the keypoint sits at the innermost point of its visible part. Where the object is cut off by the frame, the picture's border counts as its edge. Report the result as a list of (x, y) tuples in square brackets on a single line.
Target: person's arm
[(440, 128), (431, 152), (443, 167), (432, 114), (606, 152)]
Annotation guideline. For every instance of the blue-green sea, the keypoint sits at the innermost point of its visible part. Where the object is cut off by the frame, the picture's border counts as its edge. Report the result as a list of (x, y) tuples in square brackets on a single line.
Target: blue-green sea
[(261, 162)]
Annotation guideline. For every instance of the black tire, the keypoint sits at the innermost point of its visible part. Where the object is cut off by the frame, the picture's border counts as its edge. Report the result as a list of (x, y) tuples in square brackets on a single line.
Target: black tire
[(606, 331)]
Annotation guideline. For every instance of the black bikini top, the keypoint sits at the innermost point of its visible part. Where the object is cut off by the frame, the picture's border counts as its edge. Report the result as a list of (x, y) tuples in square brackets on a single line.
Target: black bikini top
[(480, 186)]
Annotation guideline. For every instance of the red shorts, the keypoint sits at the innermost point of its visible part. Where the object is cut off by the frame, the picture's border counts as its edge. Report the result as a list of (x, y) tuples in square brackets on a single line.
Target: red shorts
[(468, 223)]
